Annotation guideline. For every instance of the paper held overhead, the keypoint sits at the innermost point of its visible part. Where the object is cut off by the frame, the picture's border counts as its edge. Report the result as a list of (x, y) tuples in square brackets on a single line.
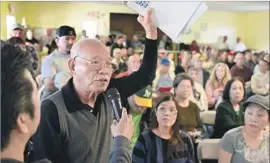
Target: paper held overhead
[(173, 18)]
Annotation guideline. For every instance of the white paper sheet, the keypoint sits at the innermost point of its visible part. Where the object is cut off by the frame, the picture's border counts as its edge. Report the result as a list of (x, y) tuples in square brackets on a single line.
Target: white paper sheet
[(173, 18)]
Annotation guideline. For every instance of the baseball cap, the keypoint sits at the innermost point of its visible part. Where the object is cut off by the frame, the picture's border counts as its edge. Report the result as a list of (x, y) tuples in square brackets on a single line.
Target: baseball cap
[(258, 99), (65, 31), (17, 26), (143, 97), (165, 62)]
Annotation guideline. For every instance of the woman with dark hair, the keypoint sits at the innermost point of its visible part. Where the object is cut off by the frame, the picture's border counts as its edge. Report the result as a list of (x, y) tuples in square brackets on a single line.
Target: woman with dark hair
[(164, 142), (229, 111), (17, 41), (188, 111)]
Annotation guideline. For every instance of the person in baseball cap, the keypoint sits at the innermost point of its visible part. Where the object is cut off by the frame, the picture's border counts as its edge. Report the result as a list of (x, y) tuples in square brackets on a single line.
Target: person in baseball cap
[(57, 61), (139, 105), (257, 114), (65, 38), (143, 98), (262, 101), (65, 31), (17, 31), (254, 134)]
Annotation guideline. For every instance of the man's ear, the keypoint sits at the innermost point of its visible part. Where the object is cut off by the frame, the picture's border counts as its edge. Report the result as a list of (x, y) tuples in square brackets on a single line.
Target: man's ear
[(22, 123), (56, 40), (71, 66)]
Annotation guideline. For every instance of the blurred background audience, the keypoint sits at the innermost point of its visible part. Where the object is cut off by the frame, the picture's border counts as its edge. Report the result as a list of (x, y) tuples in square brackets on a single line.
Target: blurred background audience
[(218, 81)]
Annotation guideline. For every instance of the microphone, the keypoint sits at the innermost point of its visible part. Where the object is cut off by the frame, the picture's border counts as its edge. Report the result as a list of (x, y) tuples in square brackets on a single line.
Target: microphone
[(115, 100)]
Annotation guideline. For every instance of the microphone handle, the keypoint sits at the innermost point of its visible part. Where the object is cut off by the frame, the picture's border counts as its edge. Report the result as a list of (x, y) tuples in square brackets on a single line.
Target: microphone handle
[(117, 108)]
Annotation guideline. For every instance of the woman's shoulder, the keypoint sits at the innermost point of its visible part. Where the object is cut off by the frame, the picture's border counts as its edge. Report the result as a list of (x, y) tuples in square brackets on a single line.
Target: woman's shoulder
[(234, 132), (184, 134), (225, 104), (233, 136), (145, 137), (193, 105), (148, 134)]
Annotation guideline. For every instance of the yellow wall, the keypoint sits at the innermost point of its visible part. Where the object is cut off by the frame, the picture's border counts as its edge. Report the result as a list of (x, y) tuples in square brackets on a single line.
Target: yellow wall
[(257, 29), (69, 13), (218, 22), (247, 25), (4, 12)]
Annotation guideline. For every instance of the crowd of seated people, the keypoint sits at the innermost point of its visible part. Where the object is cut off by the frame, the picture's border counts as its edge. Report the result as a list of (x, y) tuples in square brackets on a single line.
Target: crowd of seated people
[(167, 113)]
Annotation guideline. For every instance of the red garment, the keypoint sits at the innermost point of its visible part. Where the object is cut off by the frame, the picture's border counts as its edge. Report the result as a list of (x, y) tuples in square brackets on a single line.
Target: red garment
[(120, 75), (165, 89)]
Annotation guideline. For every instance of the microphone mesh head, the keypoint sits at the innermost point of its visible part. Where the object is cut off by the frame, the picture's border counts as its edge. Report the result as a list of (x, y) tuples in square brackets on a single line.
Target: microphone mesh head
[(113, 93)]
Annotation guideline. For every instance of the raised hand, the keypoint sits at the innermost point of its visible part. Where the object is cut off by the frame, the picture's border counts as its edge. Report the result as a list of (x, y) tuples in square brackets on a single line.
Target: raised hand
[(149, 24)]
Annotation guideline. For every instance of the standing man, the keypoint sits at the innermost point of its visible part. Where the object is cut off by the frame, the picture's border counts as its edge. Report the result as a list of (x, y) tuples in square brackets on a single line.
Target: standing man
[(17, 31), (223, 45), (75, 121), (57, 61), (239, 46)]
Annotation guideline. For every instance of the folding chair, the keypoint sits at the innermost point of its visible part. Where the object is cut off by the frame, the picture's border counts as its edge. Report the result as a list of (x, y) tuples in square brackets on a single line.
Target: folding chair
[(207, 150)]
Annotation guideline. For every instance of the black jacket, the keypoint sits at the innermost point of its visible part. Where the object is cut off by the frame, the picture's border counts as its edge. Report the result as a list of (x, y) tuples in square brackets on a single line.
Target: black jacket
[(226, 119)]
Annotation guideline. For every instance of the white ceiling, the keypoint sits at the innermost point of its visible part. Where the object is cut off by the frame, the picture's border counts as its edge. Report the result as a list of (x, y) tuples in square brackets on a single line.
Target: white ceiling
[(227, 6)]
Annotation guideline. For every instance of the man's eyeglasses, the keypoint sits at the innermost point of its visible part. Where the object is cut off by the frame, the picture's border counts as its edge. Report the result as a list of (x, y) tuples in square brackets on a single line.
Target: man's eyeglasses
[(97, 65)]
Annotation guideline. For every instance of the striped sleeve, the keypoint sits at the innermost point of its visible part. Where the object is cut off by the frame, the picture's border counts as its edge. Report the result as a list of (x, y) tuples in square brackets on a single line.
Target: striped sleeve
[(139, 151)]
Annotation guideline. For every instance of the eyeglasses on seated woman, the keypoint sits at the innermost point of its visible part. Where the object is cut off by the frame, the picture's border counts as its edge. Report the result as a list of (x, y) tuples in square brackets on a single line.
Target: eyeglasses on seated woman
[(164, 142)]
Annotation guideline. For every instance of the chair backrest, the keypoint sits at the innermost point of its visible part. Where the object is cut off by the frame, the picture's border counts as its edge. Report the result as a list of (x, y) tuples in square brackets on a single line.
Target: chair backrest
[(208, 149), (208, 117)]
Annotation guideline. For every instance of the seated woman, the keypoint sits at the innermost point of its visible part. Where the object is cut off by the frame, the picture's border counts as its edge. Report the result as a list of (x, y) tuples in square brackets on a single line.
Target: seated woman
[(164, 142), (216, 83), (188, 112), (248, 143), (229, 111), (198, 95)]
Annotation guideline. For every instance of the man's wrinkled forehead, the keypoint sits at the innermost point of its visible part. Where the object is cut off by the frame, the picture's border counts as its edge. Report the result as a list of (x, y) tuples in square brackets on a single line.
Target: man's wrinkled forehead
[(94, 54), (90, 49)]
